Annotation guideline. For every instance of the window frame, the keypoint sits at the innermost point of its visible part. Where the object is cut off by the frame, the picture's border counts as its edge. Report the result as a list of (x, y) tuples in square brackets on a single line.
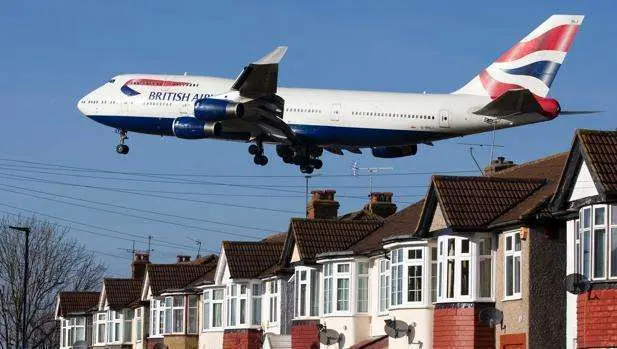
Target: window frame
[(514, 253), (587, 234), (273, 290), (212, 297), (311, 298), (383, 286)]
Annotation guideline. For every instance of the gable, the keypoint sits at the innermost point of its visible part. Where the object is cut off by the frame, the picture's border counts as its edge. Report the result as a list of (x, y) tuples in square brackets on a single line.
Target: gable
[(221, 269), (584, 185), (438, 221), (295, 255)]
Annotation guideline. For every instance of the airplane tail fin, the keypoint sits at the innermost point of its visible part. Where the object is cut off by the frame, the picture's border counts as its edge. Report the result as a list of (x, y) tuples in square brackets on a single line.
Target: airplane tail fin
[(530, 64)]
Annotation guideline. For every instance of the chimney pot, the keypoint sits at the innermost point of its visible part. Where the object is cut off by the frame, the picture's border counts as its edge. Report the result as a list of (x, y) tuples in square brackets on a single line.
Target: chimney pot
[(140, 261), (498, 165), (381, 204), (323, 205), (183, 258)]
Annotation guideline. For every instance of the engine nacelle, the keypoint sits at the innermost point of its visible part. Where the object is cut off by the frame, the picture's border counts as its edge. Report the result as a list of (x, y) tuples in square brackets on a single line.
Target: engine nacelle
[(208, 109), (187, 127), (395, 152)]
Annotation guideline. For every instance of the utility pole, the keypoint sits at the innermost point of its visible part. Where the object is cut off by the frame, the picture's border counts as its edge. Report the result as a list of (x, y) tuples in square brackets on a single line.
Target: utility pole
[(24, 326)]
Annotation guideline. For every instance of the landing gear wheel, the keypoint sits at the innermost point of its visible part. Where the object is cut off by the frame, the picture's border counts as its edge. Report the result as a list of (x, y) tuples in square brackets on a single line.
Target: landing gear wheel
[(316, 163), (306, 169), (260, 160), (122, 149), (254, 149)]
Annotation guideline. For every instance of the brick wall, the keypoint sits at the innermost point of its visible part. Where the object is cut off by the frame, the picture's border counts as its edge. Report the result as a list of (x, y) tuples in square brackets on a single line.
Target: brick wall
[(249, 338), (152, 342), (597, 318), (305, 334), (456, 325)]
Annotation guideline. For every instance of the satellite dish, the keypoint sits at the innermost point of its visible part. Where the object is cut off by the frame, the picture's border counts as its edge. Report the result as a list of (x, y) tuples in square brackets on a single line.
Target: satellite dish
[(329, 336), (397, 328), (491, 317), (577, 283)]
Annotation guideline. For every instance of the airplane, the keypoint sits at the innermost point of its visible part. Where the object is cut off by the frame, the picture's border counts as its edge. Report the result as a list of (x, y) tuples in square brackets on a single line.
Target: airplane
[(302, 123)]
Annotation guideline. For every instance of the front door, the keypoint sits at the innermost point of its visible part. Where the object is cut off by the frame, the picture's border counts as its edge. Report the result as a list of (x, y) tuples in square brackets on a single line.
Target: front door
[(444, 118), (513, 341), (335, 112)]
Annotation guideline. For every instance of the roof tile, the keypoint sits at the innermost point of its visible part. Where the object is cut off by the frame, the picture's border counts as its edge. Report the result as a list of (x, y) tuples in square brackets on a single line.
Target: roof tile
[(77, 302)]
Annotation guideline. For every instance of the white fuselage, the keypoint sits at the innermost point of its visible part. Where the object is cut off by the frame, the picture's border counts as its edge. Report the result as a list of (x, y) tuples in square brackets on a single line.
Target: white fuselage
[(319, 117)]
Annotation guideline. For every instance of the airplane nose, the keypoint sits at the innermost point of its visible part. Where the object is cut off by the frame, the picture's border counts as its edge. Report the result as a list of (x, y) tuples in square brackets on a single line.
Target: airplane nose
[(81, 105)]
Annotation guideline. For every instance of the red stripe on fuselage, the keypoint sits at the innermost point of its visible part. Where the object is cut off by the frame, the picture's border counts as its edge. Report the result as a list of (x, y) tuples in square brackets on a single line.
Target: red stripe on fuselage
[(557, 39), (153, 82)]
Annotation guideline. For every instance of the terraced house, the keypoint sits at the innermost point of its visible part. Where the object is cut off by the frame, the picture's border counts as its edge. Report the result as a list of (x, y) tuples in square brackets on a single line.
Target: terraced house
[(479, 262)]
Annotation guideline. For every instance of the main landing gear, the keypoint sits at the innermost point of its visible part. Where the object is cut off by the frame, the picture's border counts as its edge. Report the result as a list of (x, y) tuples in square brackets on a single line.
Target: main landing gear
[(257, 150), (122, 148), (303, 156)]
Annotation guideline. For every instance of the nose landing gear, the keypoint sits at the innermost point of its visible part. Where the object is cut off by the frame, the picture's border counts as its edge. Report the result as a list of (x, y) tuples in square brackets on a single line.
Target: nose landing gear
[(122, 148)]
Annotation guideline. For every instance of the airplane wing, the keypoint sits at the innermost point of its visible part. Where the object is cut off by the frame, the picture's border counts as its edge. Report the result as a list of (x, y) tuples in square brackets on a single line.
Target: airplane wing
[(256, 89)]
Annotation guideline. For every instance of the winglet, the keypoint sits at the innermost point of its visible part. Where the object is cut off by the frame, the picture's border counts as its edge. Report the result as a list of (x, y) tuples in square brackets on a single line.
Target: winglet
[(273, 57)]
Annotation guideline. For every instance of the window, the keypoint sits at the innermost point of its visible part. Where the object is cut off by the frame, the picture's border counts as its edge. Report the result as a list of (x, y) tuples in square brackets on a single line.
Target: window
[(157, 317), (362, 287), (414, 275), (272, 289), (384, 284), (396, 272), (114, 324), (138, 324), (73, 331), (212, 311), (168, 314), (256, 304), (327, 282), (434, 274), (596, 242), (243, 303), (127, 328), (463, 269), (205, 311), (342, 287), (100, 327), (192, 314), (307, 292), (512, 265), (232, 298)]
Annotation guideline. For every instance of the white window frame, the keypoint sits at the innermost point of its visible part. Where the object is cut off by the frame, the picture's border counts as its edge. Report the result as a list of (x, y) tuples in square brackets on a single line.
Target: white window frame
[(308, 278), (588, 234), (457, 257), (585, 233), (127, 325), (192, 310), (514, 253), (170, 308), (139, 312), (413, 261), (384, 286), (611, 219), (328, 288), (115, 323), (157, 318), (340, 275), (99, 319), (362, 295), (68, 331), (273, 297), (397, 277), (211, 298), (434, 273), (256, 314), (595, 227)]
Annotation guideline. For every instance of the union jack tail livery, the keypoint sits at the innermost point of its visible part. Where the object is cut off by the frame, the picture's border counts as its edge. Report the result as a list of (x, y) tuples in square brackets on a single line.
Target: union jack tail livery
[(530, 64)]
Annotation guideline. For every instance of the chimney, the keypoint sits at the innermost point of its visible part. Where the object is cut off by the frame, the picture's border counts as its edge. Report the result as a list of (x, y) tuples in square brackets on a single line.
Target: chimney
[(183, 259), (322, 205), (140, 260), (381, 204), (497, 165)]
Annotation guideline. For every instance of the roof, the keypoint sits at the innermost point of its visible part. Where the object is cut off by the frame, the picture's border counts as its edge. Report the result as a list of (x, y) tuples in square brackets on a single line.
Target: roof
[(361, 215), (249, 259), (472, 202), (315, 236), (73, 303), (600, 153), (165, 277), (276, 237), (122, 293), (403, 222)]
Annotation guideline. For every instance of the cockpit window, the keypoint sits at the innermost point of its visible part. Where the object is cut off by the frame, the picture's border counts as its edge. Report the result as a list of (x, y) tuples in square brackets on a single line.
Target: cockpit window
[(112, 81)]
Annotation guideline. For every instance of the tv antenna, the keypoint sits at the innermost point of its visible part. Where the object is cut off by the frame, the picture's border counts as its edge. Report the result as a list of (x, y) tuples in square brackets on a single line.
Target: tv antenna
[(491, 317), (355, 169), (198, 243), (127, 250)]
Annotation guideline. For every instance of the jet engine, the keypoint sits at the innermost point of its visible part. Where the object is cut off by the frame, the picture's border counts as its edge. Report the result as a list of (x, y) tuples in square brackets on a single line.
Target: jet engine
[(395, 152), (208, 109), (191, 128)]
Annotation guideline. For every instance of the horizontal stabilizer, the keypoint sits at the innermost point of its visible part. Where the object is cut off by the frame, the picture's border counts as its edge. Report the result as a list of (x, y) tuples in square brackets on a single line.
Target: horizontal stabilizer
[(580, 112), (511, 103), (273, 57)]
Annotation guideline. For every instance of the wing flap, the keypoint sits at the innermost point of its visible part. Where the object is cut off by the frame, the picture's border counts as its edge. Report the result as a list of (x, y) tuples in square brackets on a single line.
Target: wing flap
[(511, 103)]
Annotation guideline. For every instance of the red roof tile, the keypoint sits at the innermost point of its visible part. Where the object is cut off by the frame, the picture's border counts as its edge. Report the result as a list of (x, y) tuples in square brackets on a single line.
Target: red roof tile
[(600, 152), (73, 303), (122, 293), (249, 259), (165, 277)]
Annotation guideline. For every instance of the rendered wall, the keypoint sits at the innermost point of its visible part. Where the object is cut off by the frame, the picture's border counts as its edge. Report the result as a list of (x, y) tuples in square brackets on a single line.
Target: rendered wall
[(353, 328), (211, 340), (423, 331)]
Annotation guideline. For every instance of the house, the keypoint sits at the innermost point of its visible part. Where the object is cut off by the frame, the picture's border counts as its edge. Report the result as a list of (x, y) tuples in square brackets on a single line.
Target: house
[(73, 311), (586, 198), (169, 291), (244, 300)]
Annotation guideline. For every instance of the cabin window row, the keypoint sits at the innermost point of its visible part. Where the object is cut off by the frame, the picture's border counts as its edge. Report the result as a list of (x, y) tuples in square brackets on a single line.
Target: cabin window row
[(303, 110), (394, 115)]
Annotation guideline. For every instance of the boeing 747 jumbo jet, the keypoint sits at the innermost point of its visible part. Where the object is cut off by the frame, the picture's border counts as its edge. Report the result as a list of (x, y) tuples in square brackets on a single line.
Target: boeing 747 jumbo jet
[(511, 92)]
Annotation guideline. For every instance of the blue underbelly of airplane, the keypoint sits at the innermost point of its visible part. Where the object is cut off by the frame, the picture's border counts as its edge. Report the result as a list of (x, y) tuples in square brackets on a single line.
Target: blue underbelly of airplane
[(309, 134)]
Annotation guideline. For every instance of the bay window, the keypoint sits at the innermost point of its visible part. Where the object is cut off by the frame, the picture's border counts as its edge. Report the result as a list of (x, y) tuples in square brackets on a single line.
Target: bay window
[(157, 317), (596, 242), (384, 285), (73, 332), (512, 255), (127, 315), (434, 274), (212, 312), (177, 314), (362, 287), (307, 292), (243, 303), (414, 275), (396, 273), (341, 278), (114, 326), (232, 299), (327, 282), (138, 324), (463, 268)]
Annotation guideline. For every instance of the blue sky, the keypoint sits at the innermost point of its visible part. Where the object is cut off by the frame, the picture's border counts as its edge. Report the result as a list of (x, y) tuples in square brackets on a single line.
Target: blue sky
[(54, 52)]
